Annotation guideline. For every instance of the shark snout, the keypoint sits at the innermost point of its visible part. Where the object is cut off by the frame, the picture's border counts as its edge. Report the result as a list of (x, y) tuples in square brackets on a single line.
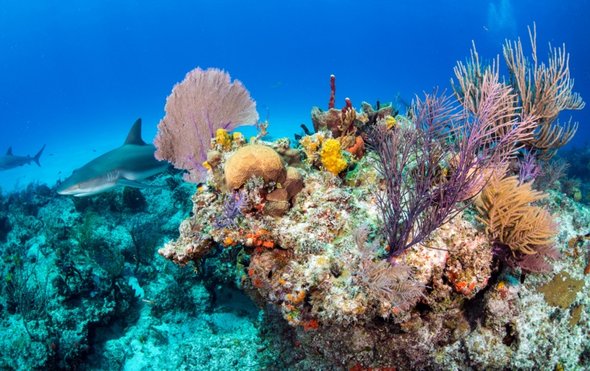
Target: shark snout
[(71, 187), (67, 189), (123, 166)]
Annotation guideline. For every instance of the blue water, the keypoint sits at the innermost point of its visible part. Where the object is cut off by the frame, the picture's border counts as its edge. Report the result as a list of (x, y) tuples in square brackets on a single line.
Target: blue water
[(75, 74)]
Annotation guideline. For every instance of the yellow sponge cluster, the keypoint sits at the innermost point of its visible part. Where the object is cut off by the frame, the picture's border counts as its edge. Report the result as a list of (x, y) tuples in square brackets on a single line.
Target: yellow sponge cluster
[(331, 156), (311, 145), (223, 138)]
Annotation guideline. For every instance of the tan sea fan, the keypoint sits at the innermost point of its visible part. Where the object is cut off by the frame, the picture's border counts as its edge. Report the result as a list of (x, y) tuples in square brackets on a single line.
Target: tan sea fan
[(506, 211)]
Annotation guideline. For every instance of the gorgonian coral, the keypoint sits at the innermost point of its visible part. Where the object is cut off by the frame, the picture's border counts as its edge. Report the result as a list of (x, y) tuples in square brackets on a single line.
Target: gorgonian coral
[(390, 286), (206, 100), (512, 222), (543, 90), (433, 165)]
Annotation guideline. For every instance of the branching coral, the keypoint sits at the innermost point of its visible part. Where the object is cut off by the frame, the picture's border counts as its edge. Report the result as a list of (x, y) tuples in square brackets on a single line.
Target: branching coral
[(442, 159), (509, 217), (391, 286), (542, 92)]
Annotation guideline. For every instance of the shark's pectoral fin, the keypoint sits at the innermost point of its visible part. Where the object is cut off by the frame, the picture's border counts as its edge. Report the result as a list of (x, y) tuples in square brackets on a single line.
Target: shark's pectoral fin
[(134, 183)]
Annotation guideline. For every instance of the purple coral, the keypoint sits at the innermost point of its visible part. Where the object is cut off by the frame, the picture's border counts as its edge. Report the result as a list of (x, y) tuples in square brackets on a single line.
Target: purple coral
[(232, 208), (435, 165), (529, 168), (540, 262), (393, 284)]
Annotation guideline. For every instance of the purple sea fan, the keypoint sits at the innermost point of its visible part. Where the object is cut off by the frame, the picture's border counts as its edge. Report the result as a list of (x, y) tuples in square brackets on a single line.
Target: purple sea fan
[(206, 100), (540, 262)]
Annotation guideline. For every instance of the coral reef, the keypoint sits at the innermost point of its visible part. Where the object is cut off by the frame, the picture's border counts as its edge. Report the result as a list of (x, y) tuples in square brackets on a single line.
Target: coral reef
[(321, 267), (379, 259), (84, 288)]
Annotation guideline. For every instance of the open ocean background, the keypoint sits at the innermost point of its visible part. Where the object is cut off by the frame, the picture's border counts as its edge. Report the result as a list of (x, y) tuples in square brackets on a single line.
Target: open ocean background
[(74, 75)]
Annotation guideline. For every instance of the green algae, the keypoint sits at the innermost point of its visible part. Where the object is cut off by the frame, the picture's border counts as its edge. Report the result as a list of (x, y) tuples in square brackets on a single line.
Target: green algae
[(561, 291), (576, 315)]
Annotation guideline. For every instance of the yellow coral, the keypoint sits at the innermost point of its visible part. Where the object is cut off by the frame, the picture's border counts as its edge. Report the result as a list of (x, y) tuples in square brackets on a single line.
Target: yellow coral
[(311, 145), (331, 155), (223, 139), (390, 121), (238, 138)]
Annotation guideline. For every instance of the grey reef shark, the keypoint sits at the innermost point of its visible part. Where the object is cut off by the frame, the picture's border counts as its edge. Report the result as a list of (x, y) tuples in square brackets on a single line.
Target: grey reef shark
[(123, 166), (10, 161)]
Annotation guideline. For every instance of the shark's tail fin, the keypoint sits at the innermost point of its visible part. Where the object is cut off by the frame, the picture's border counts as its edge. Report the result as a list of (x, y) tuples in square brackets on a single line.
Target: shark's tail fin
[(38, 155)]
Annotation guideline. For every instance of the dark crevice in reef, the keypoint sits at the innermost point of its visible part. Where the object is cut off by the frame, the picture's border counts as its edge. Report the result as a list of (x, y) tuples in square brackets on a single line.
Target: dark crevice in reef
[(511, 336), (231, 299), (475, 307)]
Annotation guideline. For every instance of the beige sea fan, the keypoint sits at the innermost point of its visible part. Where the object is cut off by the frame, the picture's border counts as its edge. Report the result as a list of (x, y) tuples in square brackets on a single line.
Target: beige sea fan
[(510, 219)]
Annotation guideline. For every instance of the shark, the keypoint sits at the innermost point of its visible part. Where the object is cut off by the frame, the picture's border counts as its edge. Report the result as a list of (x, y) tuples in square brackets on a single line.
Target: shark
[(126, 165), (10, 161)]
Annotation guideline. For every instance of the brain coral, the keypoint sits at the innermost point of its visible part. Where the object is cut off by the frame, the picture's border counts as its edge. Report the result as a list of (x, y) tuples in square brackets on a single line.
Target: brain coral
[(254, 160)]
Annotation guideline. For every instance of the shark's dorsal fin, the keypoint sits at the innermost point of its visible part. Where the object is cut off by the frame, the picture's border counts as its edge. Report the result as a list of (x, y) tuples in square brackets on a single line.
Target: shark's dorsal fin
[(134, 136), (9, 152)]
